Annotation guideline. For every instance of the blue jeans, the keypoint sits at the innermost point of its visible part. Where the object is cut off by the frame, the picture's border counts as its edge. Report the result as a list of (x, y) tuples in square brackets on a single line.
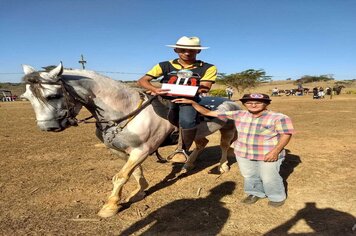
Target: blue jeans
[(262, 179), (187, 115)]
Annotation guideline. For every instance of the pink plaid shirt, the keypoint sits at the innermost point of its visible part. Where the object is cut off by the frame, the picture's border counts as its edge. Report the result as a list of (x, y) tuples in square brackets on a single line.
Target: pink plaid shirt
[(258, 136)]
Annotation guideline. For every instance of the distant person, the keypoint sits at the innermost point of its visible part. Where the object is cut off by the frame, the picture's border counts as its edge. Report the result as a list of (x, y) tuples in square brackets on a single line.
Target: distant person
[(315, 93), (321, 93), (229, 92), (202, 74), (275, 92), (259, 147), (300, 90), (328, 91)]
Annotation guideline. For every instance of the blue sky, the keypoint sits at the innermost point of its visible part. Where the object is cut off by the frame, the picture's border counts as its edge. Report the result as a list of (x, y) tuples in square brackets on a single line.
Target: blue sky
[(286, 38)]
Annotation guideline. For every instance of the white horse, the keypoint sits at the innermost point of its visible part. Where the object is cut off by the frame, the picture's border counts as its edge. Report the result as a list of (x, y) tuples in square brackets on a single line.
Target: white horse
[(127, 120)]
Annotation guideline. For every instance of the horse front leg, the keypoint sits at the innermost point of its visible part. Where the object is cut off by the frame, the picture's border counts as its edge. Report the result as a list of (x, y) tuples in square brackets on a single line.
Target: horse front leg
[(111, 207), (199, 147), (227, 136), (139, 193)]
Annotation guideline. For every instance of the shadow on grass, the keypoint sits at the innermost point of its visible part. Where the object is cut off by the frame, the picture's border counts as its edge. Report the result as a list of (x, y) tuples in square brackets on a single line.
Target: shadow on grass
[(289, 164), (209, 157), (194, 216), (323, 221)]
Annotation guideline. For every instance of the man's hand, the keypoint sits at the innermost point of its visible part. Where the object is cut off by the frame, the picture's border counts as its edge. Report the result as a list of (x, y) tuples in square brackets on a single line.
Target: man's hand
[(159, 91), (204, 87), (145, 82)]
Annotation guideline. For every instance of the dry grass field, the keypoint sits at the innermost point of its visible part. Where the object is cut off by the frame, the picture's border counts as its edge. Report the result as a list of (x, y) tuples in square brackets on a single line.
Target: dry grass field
[(54, 183)]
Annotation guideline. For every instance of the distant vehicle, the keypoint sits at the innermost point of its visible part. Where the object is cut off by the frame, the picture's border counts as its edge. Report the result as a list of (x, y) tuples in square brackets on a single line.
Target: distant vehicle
[(6, 96)]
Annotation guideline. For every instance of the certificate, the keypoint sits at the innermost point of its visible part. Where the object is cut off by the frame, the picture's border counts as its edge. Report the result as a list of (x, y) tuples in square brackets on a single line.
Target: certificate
[(180, 90)]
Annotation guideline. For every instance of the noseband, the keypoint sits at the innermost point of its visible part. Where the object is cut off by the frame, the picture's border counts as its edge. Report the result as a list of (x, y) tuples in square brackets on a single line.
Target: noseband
[(69, 103)]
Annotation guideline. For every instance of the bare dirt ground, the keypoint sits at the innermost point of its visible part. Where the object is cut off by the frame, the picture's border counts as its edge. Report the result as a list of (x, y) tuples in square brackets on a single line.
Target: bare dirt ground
[(55, 183)]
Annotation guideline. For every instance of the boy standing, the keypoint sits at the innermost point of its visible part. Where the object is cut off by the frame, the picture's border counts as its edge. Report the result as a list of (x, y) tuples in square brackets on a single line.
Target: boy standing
[(259, 149)]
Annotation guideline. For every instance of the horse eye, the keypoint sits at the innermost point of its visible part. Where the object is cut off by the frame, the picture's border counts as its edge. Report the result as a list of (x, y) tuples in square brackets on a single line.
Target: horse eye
[(53, 96)]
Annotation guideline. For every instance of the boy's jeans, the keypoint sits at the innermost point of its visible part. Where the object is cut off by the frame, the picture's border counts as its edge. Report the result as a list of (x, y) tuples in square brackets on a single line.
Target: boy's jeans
[(262, 179)]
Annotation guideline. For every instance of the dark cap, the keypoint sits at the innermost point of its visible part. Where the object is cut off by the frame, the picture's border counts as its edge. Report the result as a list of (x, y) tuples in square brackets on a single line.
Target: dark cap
[(255, 97)]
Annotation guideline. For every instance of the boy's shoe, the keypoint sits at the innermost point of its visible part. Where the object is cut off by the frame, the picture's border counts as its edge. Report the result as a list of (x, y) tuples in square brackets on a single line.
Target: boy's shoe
[(250, 199), (276, 204)]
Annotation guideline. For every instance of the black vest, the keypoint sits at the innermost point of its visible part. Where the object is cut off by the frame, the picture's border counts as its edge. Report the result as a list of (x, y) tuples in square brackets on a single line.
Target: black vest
[(170, 72)]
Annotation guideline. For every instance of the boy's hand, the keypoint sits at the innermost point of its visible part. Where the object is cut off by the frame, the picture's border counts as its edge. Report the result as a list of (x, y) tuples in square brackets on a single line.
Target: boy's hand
[(183, 100), (271, 156)]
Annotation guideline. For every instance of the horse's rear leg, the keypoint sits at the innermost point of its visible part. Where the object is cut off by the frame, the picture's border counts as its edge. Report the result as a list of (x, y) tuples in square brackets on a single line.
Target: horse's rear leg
[(111, 207), (227, 136), (139, 193), (199, 147)]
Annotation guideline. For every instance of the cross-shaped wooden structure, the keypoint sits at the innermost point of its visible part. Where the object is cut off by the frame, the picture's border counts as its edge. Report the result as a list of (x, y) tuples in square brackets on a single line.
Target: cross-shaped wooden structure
[(82, 61)]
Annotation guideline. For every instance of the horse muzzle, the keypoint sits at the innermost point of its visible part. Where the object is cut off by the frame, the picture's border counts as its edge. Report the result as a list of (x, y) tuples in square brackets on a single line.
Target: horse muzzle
[(50, 125), (56, 125)]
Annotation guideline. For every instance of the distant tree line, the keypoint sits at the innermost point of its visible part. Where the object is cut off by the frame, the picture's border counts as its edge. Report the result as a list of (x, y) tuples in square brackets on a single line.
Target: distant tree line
[(309, 78), (345, 82), (15, 88), (251, 78), (244, 80)]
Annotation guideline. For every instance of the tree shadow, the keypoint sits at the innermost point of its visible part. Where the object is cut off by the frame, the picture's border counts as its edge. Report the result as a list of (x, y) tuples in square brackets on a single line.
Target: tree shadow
[(209, 157), (196, 216), (290, 162), (326, 221)]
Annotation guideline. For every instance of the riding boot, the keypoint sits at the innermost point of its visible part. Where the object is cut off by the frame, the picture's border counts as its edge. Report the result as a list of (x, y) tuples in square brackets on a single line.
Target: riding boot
[(186, 138)]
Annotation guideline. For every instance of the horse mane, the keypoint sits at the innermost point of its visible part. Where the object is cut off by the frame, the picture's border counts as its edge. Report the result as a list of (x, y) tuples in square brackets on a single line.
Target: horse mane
[(102, 82), (33, 79)]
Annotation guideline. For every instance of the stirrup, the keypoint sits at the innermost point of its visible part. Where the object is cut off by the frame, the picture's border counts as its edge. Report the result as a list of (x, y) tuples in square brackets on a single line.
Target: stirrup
[(170, 157)]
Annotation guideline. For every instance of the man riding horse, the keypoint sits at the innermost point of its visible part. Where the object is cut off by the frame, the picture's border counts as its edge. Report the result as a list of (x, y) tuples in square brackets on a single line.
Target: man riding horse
[(200, 74), (131, 123)]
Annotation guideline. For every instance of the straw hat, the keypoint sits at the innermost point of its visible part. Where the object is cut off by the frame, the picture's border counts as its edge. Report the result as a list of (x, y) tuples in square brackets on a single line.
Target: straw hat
[(188, 43)]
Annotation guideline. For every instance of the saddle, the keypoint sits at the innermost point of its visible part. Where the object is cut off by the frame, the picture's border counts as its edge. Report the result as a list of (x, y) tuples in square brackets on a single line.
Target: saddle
[(161, 106)]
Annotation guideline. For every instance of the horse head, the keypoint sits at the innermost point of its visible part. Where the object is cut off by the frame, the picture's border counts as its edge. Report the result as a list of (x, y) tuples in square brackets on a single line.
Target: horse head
[(54, 107)]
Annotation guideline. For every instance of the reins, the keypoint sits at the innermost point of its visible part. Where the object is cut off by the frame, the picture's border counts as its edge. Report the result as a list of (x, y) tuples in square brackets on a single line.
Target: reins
[(69, 98), (128, 117)]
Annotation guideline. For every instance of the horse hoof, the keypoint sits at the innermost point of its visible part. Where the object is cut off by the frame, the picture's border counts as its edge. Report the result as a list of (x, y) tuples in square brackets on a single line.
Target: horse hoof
[(108, 211), (224, 169)]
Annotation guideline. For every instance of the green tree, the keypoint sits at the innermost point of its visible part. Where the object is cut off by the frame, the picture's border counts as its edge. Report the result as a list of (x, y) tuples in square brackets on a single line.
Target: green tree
[(220, 78), (246, 79), (313, 78)]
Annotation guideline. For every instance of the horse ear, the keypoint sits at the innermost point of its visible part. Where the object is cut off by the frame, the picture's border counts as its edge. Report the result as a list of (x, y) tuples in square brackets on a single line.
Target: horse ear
[(28, 69), (53, 74)]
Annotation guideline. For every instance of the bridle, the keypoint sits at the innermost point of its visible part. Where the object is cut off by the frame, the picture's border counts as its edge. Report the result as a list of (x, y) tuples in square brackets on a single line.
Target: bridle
[(142, 105), (70, 114), (68, 111)]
